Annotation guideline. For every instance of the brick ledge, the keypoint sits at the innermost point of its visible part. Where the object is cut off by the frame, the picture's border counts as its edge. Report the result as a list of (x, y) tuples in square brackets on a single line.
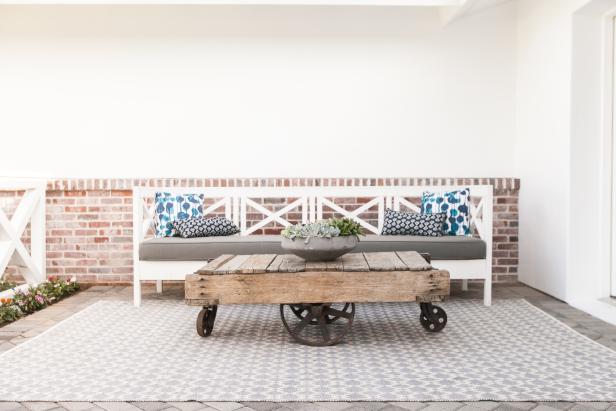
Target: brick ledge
[(501, 183)]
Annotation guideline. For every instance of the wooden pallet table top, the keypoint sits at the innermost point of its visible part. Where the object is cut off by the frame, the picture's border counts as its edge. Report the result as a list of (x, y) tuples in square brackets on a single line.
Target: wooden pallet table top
[(285, 279), (289, 263)]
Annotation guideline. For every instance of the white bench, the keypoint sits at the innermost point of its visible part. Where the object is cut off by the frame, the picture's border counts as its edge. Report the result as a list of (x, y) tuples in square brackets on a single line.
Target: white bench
[(236, 203)]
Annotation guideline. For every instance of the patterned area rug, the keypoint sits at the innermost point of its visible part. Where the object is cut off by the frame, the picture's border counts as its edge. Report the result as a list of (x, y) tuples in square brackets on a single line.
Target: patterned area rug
[(113, 351)]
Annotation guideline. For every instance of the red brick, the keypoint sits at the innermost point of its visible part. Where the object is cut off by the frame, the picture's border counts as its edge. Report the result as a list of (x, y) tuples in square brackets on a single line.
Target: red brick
[(87, 227)]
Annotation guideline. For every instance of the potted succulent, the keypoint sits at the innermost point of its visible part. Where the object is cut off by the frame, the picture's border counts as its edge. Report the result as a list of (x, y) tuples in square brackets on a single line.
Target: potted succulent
[(322, 240)]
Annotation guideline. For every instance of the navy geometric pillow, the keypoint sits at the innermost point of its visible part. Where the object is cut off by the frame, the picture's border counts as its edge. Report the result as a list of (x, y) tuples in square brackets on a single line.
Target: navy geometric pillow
[(456, 204), (205, 227), (403, 223), (170, 207)]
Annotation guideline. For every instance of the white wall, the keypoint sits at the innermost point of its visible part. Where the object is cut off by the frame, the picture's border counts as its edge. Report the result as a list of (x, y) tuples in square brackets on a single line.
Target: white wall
[(563, 149), (542, 140), (256, 91)]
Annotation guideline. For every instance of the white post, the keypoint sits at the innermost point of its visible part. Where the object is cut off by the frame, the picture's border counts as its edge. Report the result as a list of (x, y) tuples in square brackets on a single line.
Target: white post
[(137, 227), (38, 243), (488, 209)]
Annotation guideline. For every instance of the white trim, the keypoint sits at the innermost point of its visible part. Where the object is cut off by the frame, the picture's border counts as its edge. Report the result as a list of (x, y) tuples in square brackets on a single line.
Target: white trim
[(608, 126), (607, 283), (237, 201), (30, 209)]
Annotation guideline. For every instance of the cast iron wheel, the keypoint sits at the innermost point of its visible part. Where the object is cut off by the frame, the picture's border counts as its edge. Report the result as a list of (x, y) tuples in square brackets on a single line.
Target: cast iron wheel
[(325, 333), (432, 317), (300, 311), (205, 320)]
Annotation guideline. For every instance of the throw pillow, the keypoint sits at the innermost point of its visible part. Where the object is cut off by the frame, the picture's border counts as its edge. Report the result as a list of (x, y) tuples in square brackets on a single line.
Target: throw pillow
[(456, 204), (205, 227), (170, 207), (408, 223)]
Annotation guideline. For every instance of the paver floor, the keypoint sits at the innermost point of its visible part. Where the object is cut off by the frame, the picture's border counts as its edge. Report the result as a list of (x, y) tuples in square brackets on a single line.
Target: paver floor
[(20, 331)]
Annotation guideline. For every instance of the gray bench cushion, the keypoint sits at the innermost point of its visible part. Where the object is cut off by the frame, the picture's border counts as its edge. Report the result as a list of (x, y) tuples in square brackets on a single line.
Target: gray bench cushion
[(184, 249)]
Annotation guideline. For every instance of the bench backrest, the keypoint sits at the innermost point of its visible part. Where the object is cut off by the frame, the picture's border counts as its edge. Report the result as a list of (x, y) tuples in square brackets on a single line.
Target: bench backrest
[(308, 204)]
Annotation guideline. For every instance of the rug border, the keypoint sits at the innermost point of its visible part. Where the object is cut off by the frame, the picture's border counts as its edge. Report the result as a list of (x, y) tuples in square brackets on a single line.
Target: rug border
[(562, 324)]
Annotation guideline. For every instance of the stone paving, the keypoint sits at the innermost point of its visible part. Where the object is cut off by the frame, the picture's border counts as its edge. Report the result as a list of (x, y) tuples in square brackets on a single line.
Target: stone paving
[(20, 331)]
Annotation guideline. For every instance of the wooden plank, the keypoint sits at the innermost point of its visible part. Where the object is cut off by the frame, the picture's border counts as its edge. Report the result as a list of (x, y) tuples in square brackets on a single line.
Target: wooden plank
[(214, 264), (292, 264), (413, 260), (315, 286), (335, 265), (385, 261), (316, 266), (275, 264), (256, 263), (232, 265), (354, 262)]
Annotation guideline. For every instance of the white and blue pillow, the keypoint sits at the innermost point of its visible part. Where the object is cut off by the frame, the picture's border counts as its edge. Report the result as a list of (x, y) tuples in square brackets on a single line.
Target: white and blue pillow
[(411, 223), (455, 204), (171, 207)]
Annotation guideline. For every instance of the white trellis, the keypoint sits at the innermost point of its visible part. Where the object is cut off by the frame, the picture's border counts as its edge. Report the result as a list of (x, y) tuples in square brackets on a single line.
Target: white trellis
[(30, 209)]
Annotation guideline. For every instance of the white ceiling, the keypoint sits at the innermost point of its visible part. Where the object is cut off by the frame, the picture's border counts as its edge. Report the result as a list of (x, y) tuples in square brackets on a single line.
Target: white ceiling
[(450, 10)]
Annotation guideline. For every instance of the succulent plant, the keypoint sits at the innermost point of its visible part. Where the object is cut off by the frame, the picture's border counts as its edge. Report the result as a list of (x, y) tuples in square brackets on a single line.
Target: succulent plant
[(333, 227), (317, 229), (347, 226)]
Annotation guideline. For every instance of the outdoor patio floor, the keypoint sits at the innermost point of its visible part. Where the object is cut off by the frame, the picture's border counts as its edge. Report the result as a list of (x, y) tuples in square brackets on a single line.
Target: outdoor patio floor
[(28, 327)]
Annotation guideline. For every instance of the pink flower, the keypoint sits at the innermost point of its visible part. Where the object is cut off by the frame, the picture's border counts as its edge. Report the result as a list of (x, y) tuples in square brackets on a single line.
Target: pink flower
[(39, 298)]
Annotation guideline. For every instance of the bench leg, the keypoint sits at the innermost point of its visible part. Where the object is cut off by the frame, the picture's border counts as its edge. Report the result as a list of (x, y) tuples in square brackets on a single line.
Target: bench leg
[(464, 285), (487, 292), (159, 286), (136, 291)]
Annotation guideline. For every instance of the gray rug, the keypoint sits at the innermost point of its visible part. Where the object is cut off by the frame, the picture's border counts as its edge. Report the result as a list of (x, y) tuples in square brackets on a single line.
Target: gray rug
[(113, 351)]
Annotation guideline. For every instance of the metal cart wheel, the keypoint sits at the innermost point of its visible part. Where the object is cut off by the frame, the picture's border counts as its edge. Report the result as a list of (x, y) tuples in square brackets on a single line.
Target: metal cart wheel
[(328, 324), (300, 311), (432, 317), (205, 320)]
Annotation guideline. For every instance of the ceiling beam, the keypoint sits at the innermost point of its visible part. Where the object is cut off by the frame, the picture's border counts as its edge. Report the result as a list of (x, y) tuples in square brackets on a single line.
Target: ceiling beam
[(410, 3), (449, 14)]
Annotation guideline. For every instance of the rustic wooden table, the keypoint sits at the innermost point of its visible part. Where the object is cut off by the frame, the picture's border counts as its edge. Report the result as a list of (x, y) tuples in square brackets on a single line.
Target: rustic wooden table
[(321, 294)]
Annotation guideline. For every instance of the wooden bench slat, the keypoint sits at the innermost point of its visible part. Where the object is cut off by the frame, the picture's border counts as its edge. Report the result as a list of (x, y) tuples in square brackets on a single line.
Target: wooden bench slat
[(385, 261)]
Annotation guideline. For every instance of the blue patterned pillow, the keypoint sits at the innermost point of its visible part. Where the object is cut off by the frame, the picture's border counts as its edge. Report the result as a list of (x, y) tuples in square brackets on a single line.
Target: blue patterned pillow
[(456, 204), (170, 207)]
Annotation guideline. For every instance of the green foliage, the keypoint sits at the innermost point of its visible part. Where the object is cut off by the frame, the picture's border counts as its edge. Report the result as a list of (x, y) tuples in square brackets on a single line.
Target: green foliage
[(347, 226), (333, 227), (55, 289), (9, 313), (31, 300), (6, 285), (35, 298)]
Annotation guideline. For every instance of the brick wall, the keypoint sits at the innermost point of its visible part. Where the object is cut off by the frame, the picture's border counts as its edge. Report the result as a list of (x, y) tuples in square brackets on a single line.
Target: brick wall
[(89, 221)]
